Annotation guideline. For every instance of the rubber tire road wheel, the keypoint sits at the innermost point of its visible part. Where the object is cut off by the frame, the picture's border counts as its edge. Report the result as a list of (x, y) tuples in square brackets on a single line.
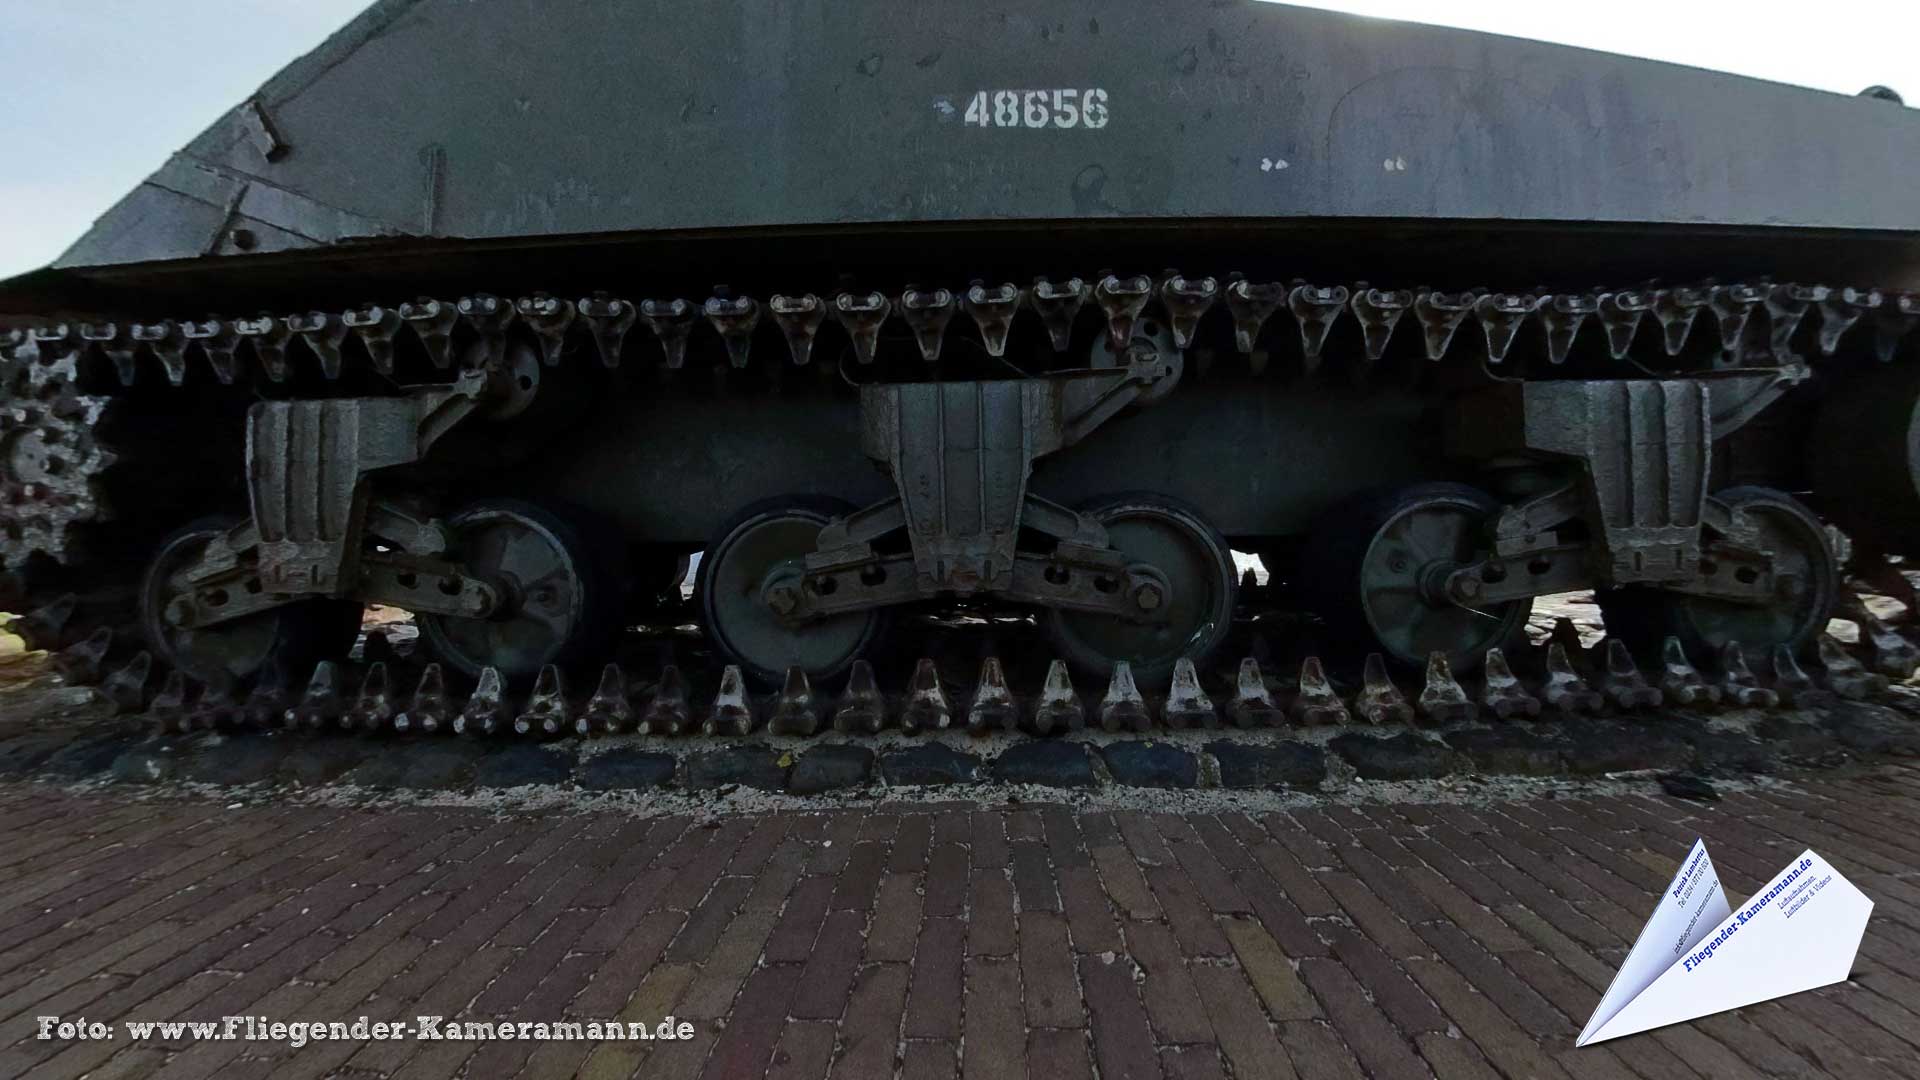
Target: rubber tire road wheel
[(1370, 538), (1181, 543), (575, 595), (295, 636), (743, 630), (1644, 617)]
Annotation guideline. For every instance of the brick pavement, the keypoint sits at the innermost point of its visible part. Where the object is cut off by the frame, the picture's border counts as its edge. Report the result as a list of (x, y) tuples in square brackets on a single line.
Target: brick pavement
[(1336, 940)]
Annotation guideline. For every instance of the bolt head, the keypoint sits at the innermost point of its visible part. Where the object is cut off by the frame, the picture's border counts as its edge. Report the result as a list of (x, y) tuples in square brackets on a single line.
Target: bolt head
[(1467, 588), (782, 599), (1149, 597)]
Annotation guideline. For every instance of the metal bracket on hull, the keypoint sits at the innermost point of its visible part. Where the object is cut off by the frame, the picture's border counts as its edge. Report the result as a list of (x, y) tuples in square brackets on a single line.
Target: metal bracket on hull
[(1645, 450), (308, 469), (960, 454)]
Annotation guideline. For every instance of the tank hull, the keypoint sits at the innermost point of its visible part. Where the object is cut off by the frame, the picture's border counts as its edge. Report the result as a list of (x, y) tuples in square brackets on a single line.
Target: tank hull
[(577, 118)]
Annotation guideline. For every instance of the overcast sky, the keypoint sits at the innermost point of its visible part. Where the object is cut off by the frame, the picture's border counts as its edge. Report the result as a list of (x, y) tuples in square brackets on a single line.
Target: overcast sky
[(94, 94)]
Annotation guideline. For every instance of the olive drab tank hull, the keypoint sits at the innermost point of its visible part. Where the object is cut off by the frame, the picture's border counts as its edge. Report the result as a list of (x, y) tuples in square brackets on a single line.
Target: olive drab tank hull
[(973, 352)]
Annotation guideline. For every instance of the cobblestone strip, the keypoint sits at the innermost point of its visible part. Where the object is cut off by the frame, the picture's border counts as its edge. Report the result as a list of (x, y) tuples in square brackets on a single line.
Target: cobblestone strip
[(1377, 940)]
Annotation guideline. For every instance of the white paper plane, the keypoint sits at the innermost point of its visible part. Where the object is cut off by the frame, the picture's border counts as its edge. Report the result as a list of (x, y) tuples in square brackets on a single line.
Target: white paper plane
[(1691, 908), (1696, 956)]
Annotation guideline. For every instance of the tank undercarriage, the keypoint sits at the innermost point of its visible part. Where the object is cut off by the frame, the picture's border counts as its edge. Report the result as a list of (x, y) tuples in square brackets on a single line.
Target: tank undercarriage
[(932, 507)]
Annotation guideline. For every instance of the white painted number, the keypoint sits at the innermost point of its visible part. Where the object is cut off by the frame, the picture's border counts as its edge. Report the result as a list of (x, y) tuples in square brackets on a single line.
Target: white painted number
[(1034, 107), (1037, 108), (1066, 108), (1006, 109), (1095, 112)]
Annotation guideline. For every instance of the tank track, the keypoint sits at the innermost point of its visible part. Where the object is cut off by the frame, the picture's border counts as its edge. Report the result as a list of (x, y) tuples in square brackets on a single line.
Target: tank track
[(46, 366), (52, 462), (1557, 678)]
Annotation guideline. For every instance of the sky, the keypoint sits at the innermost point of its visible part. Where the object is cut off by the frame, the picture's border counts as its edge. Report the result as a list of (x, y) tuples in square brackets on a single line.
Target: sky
[(94, 94)]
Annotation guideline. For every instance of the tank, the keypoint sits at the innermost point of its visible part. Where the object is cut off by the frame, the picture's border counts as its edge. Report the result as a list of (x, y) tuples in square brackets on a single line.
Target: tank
[(975, 352)]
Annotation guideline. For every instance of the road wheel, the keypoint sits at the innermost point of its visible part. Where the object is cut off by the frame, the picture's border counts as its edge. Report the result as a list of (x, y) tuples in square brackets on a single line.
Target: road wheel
[(1373, 568), (1198, 610)]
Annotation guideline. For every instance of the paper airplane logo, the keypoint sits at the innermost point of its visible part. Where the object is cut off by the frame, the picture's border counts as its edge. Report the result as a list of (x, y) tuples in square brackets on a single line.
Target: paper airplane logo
[(1697, 956)]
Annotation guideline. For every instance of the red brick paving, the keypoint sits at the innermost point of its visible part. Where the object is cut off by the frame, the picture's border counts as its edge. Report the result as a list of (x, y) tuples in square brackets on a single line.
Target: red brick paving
[(1378, 940)]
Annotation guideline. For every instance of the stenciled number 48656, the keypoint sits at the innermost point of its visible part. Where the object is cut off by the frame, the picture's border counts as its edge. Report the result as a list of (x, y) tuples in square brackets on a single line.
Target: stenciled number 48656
[(1038, 108)]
